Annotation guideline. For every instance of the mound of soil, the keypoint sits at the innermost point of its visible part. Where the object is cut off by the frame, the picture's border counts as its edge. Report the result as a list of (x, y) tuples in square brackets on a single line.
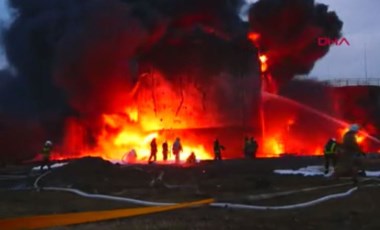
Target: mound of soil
[(91, 174)]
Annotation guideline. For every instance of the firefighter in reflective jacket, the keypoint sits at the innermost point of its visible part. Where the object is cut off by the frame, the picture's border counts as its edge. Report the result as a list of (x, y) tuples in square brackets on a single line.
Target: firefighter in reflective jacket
[(46, 152), (330, 153), (351, 160)]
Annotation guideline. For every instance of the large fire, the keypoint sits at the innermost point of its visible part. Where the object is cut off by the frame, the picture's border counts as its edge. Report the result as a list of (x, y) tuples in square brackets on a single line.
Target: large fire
[(154, 112), (141, 120), (136, 125), (102, 85), (137, 135)]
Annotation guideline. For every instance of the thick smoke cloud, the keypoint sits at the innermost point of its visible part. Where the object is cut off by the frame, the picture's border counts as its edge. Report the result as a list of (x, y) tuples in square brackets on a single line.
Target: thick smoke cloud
[(289, 30), (20, 129)]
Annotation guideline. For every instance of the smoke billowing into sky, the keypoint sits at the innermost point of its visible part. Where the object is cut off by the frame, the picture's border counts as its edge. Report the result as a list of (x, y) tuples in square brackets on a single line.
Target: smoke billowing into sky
[(288, 32)]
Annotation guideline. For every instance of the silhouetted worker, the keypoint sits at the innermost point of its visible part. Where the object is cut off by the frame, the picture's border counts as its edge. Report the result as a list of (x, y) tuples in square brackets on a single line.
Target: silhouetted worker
[(177, 149), (46, 152), (192, 159), (218, 150), (350, 160), (165, 150), (253, 146), (153, 151), (330, 152)]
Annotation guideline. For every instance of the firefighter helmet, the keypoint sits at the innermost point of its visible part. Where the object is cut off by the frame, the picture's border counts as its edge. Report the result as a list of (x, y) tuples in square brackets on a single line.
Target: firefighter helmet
[(48, 143), (354, 128)]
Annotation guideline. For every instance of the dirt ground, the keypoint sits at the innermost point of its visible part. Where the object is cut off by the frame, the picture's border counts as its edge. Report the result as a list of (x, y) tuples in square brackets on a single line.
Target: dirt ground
[(233, 181)]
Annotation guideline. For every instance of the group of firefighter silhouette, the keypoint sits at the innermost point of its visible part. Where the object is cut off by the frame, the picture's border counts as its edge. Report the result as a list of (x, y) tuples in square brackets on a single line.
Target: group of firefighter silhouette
[(250, 150), (346, 156)]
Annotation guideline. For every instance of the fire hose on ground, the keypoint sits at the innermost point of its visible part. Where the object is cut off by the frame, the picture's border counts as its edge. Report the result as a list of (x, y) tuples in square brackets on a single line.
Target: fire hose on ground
[(220, 205)]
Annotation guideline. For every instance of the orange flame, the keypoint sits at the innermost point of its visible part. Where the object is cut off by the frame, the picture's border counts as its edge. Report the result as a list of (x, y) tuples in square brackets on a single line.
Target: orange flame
[(133, 128), (263, 63), (254, 37), (273, 146), (114, 146)]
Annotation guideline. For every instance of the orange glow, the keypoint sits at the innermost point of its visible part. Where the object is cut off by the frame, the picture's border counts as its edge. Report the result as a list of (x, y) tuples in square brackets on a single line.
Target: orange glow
[(318, 151), (127, 136), (273, 146), (291, 121), (263, 63), (138, 121), (133, 114), (263, 58), (114, 146), (254, 37)]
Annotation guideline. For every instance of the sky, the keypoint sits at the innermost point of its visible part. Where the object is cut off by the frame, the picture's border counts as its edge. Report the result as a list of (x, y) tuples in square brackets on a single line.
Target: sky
[(4, 19), (361, 28)]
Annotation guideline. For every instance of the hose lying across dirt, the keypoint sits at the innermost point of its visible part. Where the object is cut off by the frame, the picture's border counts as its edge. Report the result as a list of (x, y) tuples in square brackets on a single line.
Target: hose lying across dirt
[(286, 207), (220, 205), (291, 192)]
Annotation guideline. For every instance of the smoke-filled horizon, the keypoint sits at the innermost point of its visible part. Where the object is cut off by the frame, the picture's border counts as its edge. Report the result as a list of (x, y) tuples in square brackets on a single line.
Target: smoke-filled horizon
[(86, 58)]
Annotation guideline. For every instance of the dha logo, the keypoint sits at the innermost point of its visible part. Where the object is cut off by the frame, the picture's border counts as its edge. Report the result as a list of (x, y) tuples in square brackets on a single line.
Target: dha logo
[(325, 41)]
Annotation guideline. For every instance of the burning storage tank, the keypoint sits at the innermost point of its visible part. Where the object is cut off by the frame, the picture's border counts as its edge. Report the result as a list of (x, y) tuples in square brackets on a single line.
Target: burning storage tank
[(358, 101)]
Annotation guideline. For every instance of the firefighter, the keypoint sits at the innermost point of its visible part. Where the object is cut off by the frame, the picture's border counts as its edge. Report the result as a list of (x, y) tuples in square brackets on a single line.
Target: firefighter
[(177, 149), (153, 151), (253, 148), (350, 161), (46, 152), (192, 159), (330, 151), (218, 150), (165, 150)]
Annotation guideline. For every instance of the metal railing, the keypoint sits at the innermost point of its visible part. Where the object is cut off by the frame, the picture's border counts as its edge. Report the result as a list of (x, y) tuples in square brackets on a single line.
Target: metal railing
[(342, 82)]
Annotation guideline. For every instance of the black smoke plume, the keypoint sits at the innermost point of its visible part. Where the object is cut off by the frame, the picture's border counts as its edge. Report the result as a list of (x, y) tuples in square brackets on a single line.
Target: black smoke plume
[(289, 31)]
